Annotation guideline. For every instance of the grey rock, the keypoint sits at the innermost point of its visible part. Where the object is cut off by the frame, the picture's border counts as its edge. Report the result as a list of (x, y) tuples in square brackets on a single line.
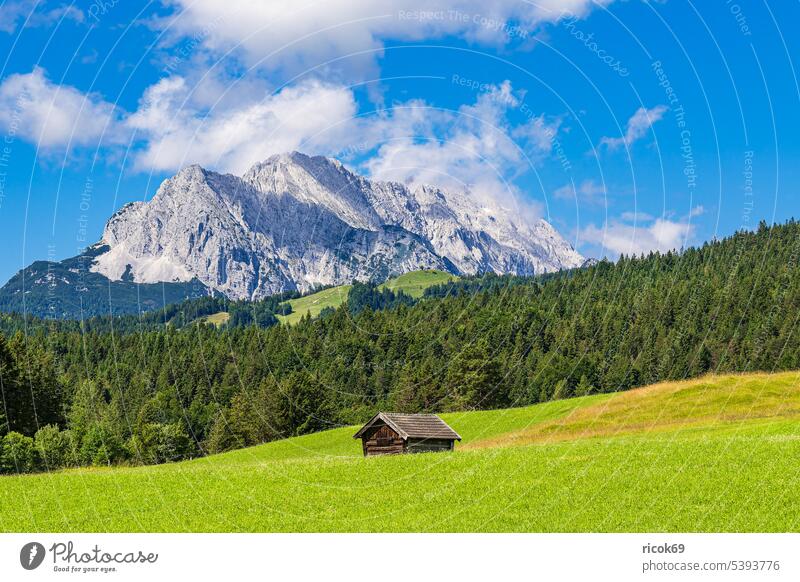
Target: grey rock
[(293, 222)]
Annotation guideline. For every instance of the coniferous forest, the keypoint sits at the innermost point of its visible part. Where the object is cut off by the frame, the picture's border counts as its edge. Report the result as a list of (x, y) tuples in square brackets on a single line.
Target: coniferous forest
[(145, 392)]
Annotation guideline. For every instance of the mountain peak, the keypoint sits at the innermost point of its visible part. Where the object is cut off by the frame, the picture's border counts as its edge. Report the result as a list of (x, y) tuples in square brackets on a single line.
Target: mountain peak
[(192, 171), (295, 158), (317, 181), (294, 221)]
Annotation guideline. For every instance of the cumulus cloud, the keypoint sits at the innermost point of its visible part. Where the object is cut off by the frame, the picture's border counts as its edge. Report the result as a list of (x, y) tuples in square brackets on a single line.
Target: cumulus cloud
[(638, 126), (13, 12), (313, 33), (638, 233), (311, 116), (56, 116), (474, 148), (33, 13), (174, 125)]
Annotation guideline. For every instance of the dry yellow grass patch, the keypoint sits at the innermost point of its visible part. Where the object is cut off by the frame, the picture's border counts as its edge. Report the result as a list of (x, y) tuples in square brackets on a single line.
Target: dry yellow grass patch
[(707, 401)]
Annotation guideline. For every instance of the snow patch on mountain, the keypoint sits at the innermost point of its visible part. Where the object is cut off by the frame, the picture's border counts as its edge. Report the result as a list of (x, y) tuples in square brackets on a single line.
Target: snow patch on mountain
[(119, 263)]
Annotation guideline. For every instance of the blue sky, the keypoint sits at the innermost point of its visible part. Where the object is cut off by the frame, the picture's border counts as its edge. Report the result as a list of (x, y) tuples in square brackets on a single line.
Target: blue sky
[(629, 125)]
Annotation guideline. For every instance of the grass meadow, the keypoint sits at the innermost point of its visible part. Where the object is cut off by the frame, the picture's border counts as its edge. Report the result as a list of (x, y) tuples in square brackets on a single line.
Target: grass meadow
[(717, 454)]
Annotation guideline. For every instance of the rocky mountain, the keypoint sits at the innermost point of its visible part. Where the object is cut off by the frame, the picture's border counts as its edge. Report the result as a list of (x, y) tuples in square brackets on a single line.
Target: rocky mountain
[(291, 222), (296, 222)]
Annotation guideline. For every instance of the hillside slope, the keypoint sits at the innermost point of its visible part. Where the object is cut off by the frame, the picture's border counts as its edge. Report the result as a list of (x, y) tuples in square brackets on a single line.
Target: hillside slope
[(70, 290), (714, 454), (413, 284)]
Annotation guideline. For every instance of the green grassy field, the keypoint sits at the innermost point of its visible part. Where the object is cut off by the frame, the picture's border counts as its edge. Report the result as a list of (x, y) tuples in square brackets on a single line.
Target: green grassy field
[(315, 303), (715, 454), (411, 283), (415, 283), (218, 319)]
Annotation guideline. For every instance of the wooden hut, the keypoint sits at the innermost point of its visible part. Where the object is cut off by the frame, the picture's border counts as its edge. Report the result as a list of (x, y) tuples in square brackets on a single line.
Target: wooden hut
[(389, 433)]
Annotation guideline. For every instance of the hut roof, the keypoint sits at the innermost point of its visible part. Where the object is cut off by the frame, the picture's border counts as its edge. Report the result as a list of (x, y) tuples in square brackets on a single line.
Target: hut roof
[(426, 426)]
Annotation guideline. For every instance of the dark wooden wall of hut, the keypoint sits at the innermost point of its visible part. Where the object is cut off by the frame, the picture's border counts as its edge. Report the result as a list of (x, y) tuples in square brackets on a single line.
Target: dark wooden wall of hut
[(382, 440)]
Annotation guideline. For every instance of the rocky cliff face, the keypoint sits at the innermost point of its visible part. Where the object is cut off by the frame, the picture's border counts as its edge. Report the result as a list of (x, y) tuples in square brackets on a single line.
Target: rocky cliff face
[(294, 221)]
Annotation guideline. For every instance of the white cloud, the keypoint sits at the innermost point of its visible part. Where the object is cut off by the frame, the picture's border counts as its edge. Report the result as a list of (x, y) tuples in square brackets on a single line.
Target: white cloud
[(174, 125), (697, 211), (312, 116), (53, 116), (471, 148), (588, 191), (34, 13), (639, 233), (637, 127), (305, 34), (13, 12), (538, 132)]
